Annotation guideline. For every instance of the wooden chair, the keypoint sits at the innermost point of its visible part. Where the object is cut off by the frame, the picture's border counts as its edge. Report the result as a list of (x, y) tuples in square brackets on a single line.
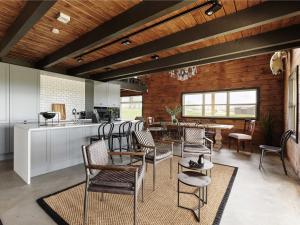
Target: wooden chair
[(195, 142), (104, 178), (246, 136), (156, 152)]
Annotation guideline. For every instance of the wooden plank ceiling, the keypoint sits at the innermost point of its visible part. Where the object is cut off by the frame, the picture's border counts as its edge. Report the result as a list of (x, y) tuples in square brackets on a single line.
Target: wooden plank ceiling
[(86, 15)]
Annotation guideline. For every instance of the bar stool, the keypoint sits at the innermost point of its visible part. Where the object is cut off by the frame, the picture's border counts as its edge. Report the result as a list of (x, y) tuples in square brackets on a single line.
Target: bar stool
[(138, 126), (104, 132), (124, 132)]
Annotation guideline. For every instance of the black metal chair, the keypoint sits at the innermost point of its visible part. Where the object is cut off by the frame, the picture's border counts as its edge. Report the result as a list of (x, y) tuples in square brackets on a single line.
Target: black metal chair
[(139, 126), (104, 132), (124, 132), (280, 150), (103, 177)]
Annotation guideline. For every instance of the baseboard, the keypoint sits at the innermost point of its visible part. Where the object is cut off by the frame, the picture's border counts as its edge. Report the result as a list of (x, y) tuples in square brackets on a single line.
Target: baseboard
[(6, 157)]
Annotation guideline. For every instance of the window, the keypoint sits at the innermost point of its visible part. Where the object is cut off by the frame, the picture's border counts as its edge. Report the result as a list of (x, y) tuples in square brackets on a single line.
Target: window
[(131, 107), (293, 102), (222, 104)]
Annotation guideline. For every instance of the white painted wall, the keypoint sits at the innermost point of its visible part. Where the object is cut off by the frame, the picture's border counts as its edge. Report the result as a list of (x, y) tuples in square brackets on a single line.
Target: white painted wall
[(61, 90)]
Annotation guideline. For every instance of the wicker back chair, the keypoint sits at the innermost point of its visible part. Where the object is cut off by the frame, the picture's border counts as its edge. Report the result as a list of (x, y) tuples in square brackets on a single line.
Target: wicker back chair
[(156, 152), (195, 142), (103, 177)]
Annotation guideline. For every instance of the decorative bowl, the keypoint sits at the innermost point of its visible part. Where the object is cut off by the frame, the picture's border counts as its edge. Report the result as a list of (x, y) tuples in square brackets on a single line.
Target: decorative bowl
[(48, 115)]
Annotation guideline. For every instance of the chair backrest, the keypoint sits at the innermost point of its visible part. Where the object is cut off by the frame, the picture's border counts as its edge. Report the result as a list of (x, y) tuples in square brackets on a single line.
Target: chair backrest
[(284, 138), (143, 137), (105, 130), (139, 126), (95, 154), (194, 135), (249, 127), (125, 128)]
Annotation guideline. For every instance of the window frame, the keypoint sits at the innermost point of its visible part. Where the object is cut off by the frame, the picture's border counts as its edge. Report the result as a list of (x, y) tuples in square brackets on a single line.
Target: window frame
[(295, 74), (257, 110), (131, 102)]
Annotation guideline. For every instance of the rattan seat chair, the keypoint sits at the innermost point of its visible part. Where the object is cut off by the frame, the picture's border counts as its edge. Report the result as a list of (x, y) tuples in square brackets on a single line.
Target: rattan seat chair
[(103, 177)]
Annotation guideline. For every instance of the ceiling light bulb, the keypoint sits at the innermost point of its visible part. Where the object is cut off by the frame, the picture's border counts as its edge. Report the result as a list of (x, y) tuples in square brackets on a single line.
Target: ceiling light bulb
[(216, 6), (55, 31), (155, 57), (64, 18), (126, 42)]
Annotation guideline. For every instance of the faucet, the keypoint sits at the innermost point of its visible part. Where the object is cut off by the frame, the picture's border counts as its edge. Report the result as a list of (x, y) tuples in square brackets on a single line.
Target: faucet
[(74, 112)]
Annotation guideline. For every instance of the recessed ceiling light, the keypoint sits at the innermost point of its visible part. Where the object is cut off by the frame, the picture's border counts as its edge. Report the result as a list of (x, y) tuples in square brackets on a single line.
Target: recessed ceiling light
[(79, 59), (55, 31), (64, 18), (216, 6), (155, 57), (126, 42)]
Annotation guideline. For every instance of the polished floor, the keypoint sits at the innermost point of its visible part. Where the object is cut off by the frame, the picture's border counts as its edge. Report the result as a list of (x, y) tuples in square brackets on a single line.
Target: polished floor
[(264, 197)]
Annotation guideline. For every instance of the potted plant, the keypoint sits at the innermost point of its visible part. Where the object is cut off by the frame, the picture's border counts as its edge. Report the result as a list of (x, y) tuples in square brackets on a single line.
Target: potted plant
[(267, 123), (173, 113)]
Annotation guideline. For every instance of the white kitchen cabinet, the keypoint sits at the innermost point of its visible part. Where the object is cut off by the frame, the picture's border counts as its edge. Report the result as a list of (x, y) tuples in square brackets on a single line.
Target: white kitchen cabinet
[(114, 95), (4, 138), (106, 95), (100, 94), (24, 94), (4, 93)]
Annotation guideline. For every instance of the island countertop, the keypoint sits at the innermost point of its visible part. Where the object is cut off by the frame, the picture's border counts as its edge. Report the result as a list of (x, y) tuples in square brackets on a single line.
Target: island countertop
[(63, 125)]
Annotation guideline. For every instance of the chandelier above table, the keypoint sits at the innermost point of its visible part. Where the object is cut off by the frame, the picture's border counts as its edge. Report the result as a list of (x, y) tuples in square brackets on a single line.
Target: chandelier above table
[(184, 73)]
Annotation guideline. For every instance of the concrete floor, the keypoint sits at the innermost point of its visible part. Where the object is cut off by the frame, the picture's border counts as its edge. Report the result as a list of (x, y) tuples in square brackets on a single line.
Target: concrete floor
[(265, 197)]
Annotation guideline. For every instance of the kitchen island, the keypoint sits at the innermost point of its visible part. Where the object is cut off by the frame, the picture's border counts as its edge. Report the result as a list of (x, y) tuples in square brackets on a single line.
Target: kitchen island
[(42, 149)]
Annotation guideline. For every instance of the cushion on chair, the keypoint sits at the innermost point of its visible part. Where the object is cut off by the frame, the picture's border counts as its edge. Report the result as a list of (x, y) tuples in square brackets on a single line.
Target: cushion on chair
[(194, 135), (198, 149), (270, 148), (118, 179), (160, 154), (97, 154), (240, 136)]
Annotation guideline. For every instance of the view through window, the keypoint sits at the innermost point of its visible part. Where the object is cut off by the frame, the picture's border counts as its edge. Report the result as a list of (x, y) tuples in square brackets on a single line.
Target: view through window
[(223, 104), (131, 107)]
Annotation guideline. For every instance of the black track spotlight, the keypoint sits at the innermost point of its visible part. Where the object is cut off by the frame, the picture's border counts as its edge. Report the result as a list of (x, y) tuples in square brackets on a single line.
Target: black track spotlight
[(155, 57), (216, 6), (79, 59)]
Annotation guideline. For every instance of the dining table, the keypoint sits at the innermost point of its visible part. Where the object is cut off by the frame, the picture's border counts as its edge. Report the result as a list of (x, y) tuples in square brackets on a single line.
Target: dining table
[(216, 126)]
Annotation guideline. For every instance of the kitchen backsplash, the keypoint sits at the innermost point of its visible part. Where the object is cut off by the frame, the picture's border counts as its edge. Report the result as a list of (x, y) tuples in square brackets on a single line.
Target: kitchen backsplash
[(64, 91)]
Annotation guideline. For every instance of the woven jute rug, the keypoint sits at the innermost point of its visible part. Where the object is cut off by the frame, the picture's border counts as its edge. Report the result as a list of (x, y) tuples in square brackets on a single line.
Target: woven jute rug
[(159, 206)]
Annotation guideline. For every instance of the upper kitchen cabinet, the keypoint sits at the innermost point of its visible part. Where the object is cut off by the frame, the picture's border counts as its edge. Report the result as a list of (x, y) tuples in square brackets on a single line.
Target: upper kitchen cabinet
[(24, 94), (100, 94), (106, 95), (114, 95), (4, 93)]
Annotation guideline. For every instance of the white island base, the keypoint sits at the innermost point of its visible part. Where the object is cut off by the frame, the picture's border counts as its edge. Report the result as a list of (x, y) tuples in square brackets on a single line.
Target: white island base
[(40, 150)]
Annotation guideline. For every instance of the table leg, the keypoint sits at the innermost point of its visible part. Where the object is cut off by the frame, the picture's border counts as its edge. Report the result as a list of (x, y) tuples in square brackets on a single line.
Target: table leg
[(218, 139)]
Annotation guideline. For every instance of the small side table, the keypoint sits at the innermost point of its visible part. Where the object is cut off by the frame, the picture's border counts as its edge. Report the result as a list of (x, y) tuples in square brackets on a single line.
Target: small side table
[(198, 180), (184, 163)]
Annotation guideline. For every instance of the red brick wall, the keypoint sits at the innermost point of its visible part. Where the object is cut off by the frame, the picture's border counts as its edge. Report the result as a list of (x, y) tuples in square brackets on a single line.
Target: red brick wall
[(243, 73)]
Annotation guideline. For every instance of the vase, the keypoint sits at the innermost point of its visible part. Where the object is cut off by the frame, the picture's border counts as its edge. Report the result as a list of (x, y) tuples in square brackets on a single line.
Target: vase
[(173, 119)]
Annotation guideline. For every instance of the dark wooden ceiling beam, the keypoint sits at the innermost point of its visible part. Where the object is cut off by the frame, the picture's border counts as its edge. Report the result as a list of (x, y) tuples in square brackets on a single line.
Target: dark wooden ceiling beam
[(29, 16), (271, 41), (140, 14), (245, 19)]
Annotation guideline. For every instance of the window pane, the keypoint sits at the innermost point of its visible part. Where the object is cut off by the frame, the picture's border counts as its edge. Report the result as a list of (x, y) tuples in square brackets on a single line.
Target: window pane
[(125, 99), (208, 98), (130, 110), (137, 98), (248, 111), (208, 110), (215, 111), (192, 99), (192, 111), (221, 98), (243, 97), (220, 110)]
